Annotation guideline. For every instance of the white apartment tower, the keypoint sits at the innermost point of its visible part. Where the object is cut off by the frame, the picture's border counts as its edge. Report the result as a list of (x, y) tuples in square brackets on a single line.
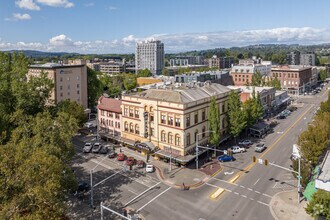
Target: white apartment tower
[(150, 55)]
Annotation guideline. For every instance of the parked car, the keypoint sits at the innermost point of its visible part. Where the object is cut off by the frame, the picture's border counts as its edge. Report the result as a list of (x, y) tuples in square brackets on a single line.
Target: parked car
[(260, 147), (150, 168), (88, 125), (280, 116), (83, 186), (88, 147), (292, 108), (121, 157), (96, 147), (225, 158), (140, 163), (104, 150), (130, 161), (112, 154), (238, 149), (245, 143)]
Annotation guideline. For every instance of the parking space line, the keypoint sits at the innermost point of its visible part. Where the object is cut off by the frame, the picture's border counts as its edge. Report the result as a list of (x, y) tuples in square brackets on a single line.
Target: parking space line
[(235, 184), (263, 203), (256, 181), (154, 199)]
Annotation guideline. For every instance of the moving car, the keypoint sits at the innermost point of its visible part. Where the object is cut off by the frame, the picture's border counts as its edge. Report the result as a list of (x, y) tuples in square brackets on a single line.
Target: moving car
[(260, 147), (238, 149), (96, 147), (130, 161), (140, 163), (104, 150), (245, 143), (149, 168), (112, 154), (88, 147), (225, 158), (121, 157), (83, 186)]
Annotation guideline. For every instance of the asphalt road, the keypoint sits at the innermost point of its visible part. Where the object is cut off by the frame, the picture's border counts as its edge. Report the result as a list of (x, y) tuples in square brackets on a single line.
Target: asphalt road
[(246, 198)]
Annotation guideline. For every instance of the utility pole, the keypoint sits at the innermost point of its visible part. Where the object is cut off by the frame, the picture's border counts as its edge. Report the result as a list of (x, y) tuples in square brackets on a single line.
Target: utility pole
[(197, 146), (170, 158)]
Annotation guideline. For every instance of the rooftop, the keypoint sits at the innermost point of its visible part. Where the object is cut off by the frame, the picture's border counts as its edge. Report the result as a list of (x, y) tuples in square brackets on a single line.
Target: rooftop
[(291, 67), (325, 170), (249, 89), (53, 66), (183, 94), (109, 104)]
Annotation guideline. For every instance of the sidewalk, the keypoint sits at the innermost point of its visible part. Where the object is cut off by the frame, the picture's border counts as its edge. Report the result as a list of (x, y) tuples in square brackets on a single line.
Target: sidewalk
[(284, 206)]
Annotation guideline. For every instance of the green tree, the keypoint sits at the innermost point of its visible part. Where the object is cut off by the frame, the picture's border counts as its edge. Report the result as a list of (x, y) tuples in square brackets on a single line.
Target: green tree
[(324, 74), (129, 82), (94, 87), (257, 109), (73, 109), (236, 117), (214, 121), (256, 79), (165, 72), (320, 204), (144, 73)]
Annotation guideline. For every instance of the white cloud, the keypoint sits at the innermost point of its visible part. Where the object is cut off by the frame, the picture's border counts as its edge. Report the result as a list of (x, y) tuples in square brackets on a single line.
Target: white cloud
[(19, 16), (90, 4), (60, 40), (56, 3), (182, 42), (112, 8), (27, 4)]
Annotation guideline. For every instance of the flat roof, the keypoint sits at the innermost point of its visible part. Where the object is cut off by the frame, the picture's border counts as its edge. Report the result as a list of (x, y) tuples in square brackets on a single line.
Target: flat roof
[(54, 66), (325, 169), (291, 68)]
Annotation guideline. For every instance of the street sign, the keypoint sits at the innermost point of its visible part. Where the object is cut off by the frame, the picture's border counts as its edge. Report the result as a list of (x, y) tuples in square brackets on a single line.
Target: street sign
[(260, 161)]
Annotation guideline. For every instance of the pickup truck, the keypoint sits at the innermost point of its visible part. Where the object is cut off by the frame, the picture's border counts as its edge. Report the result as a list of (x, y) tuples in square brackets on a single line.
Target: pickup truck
[(260, 147), (238, 149)]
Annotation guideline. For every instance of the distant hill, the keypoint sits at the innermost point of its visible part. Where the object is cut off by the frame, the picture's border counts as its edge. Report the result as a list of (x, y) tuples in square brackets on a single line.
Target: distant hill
[(38, 54)]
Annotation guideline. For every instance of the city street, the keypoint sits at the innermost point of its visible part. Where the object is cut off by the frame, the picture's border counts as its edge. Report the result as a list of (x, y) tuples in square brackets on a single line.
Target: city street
[(248, 186)]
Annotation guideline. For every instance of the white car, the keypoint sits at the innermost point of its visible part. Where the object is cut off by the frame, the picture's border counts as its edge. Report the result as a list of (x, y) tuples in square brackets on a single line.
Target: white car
[(88, 147), (238, 149), (88, 125), (149, 168)]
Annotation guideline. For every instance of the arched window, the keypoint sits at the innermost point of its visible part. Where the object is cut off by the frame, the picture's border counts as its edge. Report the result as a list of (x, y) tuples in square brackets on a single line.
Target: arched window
[(203, 132), (131, 129), (126, 126), (170, 138), (177, 139), (188, 139), (137, 130), (163, 136), (151, 109), (196, 132), (145, 108)]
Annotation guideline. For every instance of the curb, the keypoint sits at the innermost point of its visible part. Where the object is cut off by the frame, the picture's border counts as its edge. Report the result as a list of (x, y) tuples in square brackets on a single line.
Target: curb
[(271, 203)]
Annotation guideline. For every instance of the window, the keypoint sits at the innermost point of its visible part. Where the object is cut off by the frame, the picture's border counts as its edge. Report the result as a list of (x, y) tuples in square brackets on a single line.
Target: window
[(223, 108), (152, 132), (136, 113), (68, 86), (61, 94), (130, 112), (162, 136), (78, 92), (163, 119), (61, 87), (110, 114), (151, 118), (77, 86), (188, 139), (102, 112), (170, 120), (177, 122), (61, 79), (170, 138), (117, 116), (188, 121), (203, 132), (125, 111), (177, 139), (196, 133), (137, 131), (68, 93), (131, 129), (126, 126), (196, 117), (203, 115)]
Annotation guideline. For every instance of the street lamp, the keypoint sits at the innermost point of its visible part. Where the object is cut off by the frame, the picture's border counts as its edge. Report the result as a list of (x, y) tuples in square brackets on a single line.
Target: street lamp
[(197, 146)]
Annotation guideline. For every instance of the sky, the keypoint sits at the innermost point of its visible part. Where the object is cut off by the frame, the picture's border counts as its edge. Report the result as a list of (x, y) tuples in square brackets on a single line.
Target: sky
[(115, 26)]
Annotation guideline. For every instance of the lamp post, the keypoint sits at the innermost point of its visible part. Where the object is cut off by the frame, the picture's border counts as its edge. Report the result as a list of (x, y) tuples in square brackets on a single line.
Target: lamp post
[(197, 146)]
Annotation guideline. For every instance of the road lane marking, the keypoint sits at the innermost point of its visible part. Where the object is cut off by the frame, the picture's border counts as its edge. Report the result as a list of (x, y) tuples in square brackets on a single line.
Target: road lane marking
[(256, 181), (250, 189), (244, 196), (232, 180), (225, 181), (236, 193), (258, 192), (267, 195), (150, 188), (217, 193), (154, 198), (132, 191), (263, 203), (242, 186), (252, 199)]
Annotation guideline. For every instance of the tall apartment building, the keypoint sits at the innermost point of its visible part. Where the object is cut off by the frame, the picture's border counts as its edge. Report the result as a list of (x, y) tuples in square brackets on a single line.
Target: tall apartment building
[(220, 62), (70, 81), (293, 58), (295, 79), (307, 59), (150, 55), (171, 118)]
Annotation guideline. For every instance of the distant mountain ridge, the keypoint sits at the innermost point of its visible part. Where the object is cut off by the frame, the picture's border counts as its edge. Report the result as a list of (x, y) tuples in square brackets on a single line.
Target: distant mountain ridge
[(37, 54)]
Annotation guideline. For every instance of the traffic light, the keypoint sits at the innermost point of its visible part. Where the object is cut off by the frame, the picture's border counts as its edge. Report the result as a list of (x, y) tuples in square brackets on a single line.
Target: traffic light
[(254, 159), (266, 162)]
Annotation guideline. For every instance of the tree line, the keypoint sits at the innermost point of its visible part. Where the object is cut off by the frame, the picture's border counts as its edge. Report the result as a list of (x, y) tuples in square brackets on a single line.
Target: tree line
[(35, 144)]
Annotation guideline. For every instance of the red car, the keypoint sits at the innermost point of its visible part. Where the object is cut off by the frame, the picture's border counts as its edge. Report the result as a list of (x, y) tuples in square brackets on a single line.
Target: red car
[(121, 157), (130, 161)]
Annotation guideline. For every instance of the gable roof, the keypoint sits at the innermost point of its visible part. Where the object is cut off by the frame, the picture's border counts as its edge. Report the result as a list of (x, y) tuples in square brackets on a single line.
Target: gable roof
[(109, 104)]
